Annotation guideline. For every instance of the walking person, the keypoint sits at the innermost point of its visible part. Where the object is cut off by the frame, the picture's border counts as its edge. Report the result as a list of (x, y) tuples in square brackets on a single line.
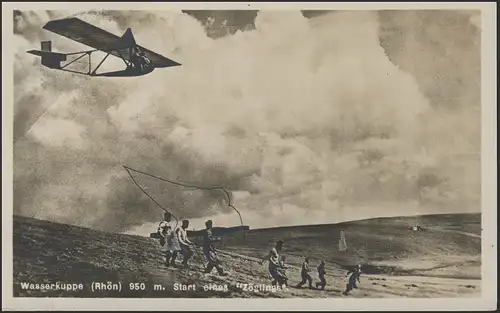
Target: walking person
[(282, 271), (275, 266), (168, 238), (209, 250), (305, 273), (185, 243), (321, 275), (355, 273)]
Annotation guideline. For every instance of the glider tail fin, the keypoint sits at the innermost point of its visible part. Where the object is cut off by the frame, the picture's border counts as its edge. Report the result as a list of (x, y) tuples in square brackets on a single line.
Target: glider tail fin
[(49, 59), (46, 46)]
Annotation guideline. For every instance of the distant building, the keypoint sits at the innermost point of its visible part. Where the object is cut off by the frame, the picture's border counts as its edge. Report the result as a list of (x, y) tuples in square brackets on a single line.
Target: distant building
[(223, 232), (218, 231)]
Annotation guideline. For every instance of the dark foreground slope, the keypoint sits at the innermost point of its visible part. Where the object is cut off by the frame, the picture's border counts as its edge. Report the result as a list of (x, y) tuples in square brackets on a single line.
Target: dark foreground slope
[(443, 260)]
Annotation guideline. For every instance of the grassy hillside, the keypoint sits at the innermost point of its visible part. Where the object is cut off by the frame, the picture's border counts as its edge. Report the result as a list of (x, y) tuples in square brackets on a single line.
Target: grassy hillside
[(443, 260), (386, 242)]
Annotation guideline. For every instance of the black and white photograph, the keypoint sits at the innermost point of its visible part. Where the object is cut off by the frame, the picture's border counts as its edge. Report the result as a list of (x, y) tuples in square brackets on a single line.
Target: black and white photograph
[(249, 152)]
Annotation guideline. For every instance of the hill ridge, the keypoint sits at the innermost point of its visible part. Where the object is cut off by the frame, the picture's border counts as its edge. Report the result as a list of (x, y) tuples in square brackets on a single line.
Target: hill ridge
[(15, 216)]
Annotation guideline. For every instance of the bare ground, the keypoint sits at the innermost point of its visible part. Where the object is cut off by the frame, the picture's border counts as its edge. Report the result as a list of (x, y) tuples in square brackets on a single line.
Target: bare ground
[(443, 260)]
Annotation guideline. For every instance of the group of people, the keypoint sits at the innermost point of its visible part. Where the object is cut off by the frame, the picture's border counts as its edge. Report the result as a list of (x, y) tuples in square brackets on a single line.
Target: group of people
[(176, 241), (277, 270)]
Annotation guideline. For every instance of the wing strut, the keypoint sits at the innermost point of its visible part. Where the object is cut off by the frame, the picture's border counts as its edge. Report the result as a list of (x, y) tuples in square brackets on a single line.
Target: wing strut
[(99, 65), (78, 58)]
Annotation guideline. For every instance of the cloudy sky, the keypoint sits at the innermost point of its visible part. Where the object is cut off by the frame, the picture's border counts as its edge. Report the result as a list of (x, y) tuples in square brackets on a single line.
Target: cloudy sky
[(309, 117)]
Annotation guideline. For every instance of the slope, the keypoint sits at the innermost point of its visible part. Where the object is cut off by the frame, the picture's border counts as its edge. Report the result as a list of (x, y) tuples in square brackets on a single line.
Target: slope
[(441, 261)]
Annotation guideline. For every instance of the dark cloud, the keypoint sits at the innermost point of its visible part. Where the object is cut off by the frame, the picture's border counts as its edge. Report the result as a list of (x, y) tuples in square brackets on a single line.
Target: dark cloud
[(311, 116)]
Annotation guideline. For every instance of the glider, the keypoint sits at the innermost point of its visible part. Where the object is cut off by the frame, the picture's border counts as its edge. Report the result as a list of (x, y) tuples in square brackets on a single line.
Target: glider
[(138, 60)]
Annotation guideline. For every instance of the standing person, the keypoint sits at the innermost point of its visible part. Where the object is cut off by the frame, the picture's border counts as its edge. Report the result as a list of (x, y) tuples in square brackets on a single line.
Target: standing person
[(305, 273), (321, 275), (209, 250), (273, 257), (355, 273), (185, 243), (169, 238)]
